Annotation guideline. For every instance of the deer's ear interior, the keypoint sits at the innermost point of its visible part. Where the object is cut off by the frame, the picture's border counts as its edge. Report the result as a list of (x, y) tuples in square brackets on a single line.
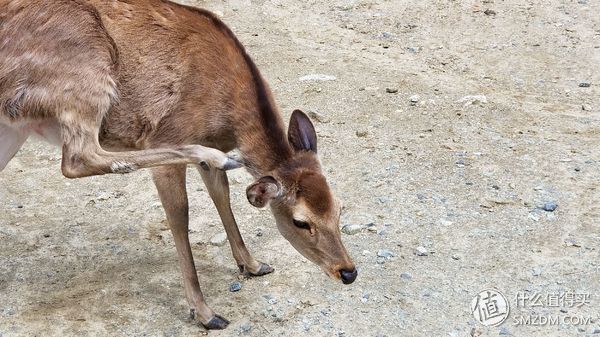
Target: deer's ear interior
[(262, 191), (301, 132)]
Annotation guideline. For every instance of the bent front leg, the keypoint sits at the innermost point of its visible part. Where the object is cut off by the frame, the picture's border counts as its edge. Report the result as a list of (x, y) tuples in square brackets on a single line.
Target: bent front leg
[(83, 156), (91, 159)]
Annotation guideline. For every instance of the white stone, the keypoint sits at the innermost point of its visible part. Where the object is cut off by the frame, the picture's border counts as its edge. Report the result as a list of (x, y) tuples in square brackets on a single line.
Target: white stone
[(218, 239), (317, 77), (473, 99), (421, 251)]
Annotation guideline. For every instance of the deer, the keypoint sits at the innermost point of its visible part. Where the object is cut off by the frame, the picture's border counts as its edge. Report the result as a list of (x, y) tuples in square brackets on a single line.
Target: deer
[(126, 85)]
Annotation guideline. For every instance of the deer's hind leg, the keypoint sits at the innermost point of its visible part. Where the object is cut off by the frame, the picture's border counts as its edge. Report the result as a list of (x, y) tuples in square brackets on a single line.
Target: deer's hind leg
[(218, 188), (11, 141)]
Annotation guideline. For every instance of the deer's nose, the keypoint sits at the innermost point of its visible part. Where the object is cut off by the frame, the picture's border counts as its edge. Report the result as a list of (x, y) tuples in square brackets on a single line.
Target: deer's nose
[(348, 276)]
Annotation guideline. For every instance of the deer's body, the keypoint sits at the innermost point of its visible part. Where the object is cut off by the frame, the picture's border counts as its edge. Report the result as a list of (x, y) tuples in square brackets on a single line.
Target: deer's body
[(165, 85), (170, 88)]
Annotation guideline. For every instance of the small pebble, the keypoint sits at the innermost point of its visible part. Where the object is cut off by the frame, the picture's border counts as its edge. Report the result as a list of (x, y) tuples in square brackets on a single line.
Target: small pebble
[(235, 286), (406, 276), (550, 207), (586, 107), (391, 90), (352, 229), (585, 84), (533, 216), (245, 328), (489, 12), (421, 251), (361, 133), (318, 116), (414, 99), (218, 239), (570, 242), (317, 77), (536, 271), (455, 257), (385, 253), (473, 100)]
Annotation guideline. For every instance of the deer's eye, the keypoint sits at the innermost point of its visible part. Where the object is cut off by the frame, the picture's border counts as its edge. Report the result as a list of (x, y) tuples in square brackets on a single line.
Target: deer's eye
[(301, 224)]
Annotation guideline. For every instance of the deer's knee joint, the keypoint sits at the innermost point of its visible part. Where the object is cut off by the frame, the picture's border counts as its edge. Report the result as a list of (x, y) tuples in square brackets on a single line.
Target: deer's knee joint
[(72, 172), (75, 165)]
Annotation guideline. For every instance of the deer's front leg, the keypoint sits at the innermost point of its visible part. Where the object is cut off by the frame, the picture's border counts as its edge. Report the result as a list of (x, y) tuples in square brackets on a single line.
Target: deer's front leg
[(170, 182), (218, 188)]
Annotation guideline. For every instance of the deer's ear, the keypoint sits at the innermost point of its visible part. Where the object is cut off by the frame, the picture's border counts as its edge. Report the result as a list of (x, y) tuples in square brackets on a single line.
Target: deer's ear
[(262, 191), (301, 133)]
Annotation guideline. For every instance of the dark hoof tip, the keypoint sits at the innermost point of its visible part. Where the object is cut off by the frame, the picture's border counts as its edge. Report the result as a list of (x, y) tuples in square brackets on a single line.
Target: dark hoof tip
[(232, 164), (216, 323), (263, 270)]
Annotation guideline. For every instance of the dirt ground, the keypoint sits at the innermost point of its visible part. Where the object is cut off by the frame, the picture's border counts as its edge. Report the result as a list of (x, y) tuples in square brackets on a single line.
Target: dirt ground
[(463, 180)]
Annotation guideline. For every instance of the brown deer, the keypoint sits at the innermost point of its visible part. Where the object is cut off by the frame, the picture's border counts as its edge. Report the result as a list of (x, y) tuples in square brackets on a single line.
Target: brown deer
[(124, 85)]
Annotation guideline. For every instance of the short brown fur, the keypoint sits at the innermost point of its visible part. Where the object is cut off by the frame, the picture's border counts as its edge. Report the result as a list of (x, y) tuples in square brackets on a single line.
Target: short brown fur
[(124, 85)]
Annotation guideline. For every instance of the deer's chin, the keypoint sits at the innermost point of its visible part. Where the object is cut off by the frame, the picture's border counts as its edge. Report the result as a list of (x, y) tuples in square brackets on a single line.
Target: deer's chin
[(333, 274)]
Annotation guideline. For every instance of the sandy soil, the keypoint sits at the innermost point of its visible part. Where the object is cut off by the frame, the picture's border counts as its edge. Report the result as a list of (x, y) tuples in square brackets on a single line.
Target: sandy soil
[(465, 182)]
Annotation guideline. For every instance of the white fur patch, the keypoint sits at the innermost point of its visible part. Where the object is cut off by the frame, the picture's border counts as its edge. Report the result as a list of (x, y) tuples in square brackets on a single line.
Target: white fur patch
[(122, 167)]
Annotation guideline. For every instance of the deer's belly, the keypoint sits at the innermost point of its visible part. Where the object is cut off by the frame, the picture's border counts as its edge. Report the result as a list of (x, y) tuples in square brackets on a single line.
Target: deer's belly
[(48, 130)]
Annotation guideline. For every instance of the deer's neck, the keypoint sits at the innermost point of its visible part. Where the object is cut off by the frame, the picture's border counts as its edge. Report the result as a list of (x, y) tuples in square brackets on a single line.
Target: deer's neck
[(263, 147), (260, 131)]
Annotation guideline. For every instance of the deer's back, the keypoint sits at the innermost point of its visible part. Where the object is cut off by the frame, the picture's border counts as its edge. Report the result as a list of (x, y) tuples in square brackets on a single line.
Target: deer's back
[(178, 74), (181, 75), (54, 56)]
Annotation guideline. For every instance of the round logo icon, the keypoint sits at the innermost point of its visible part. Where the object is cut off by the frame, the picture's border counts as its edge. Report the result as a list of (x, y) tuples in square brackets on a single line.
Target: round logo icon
[(490, 307)]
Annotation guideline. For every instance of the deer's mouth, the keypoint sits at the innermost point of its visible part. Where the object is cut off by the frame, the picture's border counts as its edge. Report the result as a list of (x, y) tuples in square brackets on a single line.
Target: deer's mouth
[(347, 276)]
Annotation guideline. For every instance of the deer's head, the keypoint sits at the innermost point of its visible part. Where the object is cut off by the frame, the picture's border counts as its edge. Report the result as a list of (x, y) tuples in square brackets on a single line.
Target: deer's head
[(306, 211)]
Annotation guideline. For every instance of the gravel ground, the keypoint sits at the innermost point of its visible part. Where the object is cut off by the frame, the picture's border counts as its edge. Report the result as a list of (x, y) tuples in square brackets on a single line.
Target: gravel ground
[(462, 136)]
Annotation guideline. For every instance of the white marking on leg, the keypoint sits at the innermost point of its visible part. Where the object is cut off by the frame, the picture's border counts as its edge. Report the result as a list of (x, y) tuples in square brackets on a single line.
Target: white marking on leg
[(122, 167)]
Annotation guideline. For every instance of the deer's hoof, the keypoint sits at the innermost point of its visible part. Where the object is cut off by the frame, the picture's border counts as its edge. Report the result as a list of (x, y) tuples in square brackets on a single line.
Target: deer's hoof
[(216, 323), (264, 269), (232, 164)]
